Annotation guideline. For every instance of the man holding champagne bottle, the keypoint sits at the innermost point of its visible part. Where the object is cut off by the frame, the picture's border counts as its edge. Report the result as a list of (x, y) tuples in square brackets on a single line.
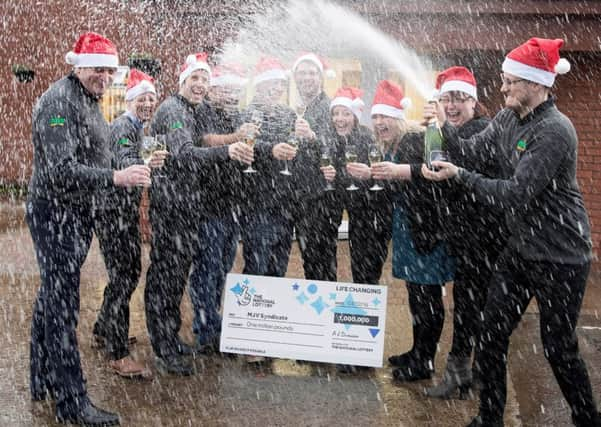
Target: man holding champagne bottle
[(548, 253)]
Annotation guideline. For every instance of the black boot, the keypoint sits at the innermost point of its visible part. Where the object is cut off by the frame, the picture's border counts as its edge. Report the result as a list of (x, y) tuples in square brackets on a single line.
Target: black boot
[(478, 422), (90, 415), (175, 365), (457, 377)]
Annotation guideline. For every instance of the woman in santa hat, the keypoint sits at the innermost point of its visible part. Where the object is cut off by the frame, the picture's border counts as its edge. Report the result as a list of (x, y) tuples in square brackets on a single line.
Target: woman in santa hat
[(419, 255), (475, 234), (369, 212)]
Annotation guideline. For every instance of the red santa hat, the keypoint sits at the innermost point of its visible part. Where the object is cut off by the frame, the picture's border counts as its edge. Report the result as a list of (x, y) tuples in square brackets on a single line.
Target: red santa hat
[(229, 74), (456, 79), (389, 100), (269, 68), (194, 62), (317, 61), (93, 50), (138, 83), (350, 98), (537, 60)]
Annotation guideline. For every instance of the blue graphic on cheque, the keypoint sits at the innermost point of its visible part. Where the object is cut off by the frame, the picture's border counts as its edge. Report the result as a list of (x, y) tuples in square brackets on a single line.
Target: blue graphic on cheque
[(302, 298), (319, 305)]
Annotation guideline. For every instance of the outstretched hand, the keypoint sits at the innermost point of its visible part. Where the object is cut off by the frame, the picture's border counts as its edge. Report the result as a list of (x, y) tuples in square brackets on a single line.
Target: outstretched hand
[(441, 172)]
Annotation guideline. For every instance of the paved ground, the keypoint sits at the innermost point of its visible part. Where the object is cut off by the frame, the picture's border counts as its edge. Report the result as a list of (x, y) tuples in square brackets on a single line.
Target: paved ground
[(226, 392)]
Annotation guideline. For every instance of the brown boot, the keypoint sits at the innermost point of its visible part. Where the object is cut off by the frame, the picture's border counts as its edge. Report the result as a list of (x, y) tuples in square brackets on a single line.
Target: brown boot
[(127, 367)]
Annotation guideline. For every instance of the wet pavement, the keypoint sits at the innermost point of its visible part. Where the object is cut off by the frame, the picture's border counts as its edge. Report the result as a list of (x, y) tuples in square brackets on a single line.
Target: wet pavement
[(227, 392)]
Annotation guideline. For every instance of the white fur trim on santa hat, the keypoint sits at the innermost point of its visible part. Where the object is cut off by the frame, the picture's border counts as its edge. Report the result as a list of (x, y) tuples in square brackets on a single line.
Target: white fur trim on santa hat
[(194, 65), (275, 74), (89, 60), (387, 110), (141, 88), (228, 80), (461, 86), (527, 72), (311, 57), (355, 105)]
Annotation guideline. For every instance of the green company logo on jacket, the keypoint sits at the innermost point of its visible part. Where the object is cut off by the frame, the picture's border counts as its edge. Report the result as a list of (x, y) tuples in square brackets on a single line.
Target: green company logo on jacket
[(521, 145), (57, 121), (177, 125), (124, 142)]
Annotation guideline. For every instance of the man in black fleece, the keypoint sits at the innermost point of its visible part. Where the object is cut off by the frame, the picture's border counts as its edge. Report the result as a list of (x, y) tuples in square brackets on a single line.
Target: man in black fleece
[(176, 209), (117, 226), (548, 252), (72, 166), (317, 213)]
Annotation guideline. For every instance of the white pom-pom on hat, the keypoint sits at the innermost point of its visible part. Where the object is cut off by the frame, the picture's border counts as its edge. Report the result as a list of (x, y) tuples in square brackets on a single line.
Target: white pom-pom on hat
[(191, 59), (563, 66), (330, 74), (435, 95), (71, 58), (405, 103)]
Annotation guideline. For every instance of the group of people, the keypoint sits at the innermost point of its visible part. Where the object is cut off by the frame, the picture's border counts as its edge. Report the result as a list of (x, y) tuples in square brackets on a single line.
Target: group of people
[(505, 220)]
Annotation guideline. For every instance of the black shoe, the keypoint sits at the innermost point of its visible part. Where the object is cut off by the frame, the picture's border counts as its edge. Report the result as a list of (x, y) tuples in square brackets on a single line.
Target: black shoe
[(412, 373), (185, 349), (175, 365), (41, 395), (478, 422), (90, 415), (400, 360)]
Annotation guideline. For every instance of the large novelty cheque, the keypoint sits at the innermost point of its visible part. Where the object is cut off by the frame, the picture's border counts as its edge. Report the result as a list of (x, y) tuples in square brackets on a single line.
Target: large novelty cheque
[(304, 320)]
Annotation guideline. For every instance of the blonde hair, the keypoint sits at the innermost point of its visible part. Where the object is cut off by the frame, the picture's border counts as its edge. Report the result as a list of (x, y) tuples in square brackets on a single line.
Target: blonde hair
[(405, 127)]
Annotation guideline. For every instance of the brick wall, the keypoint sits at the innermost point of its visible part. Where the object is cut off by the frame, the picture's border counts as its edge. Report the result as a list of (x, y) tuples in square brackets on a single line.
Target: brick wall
[(579, 98)]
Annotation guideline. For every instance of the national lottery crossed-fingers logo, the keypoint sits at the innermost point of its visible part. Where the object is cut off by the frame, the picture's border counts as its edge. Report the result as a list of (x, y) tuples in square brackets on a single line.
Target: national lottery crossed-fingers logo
[(243, 292)]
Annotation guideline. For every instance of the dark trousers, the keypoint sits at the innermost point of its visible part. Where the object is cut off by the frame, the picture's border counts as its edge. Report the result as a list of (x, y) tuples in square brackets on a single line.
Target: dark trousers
[(174, 238), (427, 312), (470, 287), (558, 290), (213, 258), (316, 224), (369, 236), (266, 240), (118, 232), (61, 237)]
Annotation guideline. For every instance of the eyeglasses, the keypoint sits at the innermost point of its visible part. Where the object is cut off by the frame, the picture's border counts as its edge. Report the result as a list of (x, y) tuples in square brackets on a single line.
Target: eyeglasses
[(507, 82), (445, 100)]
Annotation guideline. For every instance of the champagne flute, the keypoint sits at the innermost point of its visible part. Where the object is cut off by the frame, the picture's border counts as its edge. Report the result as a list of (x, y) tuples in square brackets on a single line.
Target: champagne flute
[(375, 156), (256, 117), (292, 141), (147, 148), (324, 161), (350, 153)]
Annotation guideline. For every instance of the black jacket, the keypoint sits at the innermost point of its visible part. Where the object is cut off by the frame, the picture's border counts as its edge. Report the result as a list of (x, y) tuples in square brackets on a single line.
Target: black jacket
[(72, 157), (536, 187), (188, 166), (472, 228), (223, 179), (308, 179), (268, 189), (422, 198)]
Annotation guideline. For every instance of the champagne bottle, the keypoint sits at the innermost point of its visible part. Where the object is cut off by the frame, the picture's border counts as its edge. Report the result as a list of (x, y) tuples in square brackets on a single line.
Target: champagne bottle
[(434, 144)]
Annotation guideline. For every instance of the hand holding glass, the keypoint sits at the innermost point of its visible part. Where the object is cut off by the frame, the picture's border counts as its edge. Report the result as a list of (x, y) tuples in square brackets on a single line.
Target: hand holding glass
[(351, 156), (375, 156)]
